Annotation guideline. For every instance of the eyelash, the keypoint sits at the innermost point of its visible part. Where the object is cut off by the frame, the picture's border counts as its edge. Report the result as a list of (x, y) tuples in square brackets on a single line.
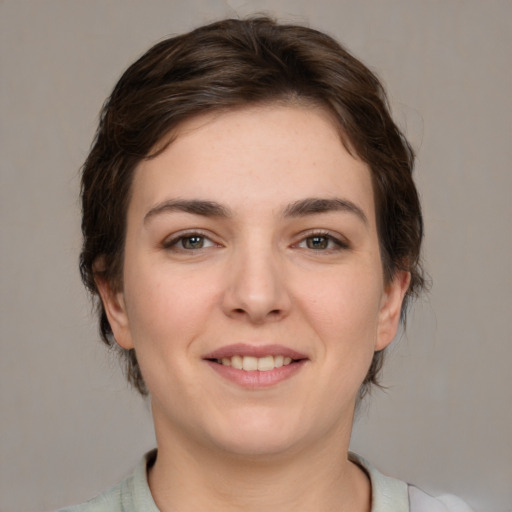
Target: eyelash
[(338, 244), (173, 243), (175, 240)]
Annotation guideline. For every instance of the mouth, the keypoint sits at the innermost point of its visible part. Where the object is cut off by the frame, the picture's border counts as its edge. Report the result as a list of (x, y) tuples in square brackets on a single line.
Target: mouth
[(251, 363), (256, 366)]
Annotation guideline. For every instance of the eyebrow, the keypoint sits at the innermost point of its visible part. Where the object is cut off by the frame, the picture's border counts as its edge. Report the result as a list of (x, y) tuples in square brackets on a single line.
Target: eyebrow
[(301, 208), (314, 205), (194, 206)]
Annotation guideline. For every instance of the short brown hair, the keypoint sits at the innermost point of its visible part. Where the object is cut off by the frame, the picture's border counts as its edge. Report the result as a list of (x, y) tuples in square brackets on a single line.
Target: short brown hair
[(225, 65)]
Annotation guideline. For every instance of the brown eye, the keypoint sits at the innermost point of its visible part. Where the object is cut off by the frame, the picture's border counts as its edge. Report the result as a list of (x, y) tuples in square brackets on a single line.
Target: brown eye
[(318, 242)]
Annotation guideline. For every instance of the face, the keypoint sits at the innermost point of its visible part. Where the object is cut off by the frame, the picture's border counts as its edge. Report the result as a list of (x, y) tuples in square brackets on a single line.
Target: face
[(253, 290)]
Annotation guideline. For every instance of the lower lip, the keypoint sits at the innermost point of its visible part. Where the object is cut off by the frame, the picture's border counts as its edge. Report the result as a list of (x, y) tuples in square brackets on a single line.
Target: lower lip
[(256, 379)]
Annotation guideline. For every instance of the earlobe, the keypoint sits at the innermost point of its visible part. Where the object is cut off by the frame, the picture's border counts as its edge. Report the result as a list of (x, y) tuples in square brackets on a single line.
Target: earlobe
[(391, 307), (115, 308)]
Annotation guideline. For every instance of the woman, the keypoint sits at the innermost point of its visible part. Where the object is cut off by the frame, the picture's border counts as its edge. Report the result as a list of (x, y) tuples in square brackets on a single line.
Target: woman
[(253, 231)]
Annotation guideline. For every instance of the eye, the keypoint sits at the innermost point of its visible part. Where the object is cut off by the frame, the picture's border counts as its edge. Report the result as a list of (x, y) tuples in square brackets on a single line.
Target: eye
[(318, 242), (322, 242), (194, 242), (189, 242)]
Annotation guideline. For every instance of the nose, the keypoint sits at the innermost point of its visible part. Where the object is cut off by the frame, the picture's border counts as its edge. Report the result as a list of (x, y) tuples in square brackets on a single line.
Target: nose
[(256, 287)]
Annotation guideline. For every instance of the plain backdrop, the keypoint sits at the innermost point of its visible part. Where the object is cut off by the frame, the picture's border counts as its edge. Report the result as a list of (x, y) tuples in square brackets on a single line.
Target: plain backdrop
[(70, 427)]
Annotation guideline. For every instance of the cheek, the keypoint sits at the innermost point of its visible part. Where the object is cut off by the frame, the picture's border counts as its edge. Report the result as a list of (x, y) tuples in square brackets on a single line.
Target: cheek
[(343, 311), (164, 322), (165, 309), (344, 303)]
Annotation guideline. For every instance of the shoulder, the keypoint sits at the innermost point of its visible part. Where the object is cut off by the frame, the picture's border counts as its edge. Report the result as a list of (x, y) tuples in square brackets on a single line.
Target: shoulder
[(108, 501), (420, 501), (392, 495), (130, 495)]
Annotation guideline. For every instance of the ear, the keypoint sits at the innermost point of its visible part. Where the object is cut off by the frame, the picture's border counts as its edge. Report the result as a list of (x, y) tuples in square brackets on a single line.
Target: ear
[(391, 306), (115, 308)]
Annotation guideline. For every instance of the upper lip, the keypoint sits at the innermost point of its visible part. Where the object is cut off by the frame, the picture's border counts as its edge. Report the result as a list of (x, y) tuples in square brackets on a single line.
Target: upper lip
[(243, 349)]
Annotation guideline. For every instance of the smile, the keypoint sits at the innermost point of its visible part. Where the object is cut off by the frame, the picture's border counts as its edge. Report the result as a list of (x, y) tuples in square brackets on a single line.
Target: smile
[(256, 366), (251, 363)]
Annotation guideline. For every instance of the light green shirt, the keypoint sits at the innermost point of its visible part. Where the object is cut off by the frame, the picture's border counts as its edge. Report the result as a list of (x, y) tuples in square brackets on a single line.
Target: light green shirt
[(388, 494)]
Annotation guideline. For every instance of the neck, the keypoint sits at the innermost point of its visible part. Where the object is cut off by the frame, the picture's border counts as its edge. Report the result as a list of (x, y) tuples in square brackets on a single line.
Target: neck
[(316, 478)]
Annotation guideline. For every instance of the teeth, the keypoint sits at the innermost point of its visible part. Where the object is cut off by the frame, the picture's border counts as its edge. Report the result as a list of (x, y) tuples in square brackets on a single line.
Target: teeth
[(236, 362), (266, 363), (251, 363)]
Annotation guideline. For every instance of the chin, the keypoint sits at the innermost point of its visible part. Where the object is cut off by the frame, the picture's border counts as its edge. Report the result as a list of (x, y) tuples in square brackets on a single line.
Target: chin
[(253, 434), (258, 446)]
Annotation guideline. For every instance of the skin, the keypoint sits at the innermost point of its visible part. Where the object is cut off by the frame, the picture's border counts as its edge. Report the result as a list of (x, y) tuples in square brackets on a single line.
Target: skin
[(195, 282)]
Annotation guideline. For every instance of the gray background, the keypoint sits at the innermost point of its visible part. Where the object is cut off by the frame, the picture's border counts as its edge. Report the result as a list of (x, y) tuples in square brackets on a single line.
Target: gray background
[(70, 426)]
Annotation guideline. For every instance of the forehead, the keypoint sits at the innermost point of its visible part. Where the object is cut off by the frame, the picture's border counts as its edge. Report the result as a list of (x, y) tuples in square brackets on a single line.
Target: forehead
[(268, 154)]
